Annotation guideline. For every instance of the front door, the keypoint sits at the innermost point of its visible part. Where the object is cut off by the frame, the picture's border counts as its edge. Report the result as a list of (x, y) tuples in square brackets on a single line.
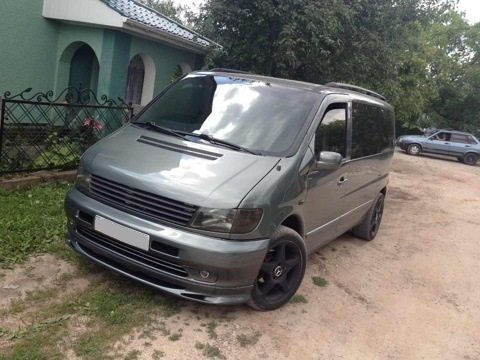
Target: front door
[(326, 188), (438, 144), (84, 69)]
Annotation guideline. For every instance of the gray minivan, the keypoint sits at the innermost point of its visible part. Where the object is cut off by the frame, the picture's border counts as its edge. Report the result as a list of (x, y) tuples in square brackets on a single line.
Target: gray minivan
[(220, 188)]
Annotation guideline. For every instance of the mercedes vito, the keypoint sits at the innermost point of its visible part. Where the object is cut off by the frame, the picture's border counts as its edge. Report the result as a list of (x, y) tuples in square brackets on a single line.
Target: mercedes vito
[(220, 188)]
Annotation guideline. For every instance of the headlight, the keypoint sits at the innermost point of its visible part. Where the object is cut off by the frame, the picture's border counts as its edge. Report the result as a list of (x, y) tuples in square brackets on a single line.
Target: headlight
[(82, 181), (235, 221)]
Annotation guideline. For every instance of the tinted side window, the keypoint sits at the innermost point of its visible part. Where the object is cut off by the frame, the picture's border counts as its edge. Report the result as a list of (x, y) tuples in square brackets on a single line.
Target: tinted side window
[(458, 138), (372, 130), (331, 134)]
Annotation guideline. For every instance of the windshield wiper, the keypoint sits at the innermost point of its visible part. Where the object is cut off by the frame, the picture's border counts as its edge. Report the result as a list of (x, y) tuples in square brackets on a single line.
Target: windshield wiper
[(216, 141), (159, 128)]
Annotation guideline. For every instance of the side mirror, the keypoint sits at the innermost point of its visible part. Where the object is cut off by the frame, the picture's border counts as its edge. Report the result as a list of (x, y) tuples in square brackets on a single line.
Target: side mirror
[(328, 160)]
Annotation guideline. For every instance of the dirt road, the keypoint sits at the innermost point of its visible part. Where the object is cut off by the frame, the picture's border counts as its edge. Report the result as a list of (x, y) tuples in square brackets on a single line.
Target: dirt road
[(412, 293)]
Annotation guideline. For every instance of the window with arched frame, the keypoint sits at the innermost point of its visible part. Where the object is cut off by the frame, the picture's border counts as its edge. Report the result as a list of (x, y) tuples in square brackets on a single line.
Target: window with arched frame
[(135, 79)]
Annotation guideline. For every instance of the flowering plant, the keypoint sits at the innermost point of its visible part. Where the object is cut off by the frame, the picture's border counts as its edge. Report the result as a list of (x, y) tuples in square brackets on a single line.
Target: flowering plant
[(93, 123)]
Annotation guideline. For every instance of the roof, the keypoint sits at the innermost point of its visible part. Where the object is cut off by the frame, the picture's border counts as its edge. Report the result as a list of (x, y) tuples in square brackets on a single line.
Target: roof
[(330, 88), (142, 14)]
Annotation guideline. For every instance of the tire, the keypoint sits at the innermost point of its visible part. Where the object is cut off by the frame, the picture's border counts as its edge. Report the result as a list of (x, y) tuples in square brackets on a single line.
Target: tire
[(414, 149), (368, 228), (281, 272), (470, 159), (460, 159)]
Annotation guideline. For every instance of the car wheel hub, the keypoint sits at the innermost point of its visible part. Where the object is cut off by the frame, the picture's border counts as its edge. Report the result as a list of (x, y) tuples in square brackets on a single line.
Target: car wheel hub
[(278, 271)]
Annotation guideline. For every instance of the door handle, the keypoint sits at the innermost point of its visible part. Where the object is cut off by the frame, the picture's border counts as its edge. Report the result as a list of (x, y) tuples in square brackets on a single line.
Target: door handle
[(342, 181), (467, 146)]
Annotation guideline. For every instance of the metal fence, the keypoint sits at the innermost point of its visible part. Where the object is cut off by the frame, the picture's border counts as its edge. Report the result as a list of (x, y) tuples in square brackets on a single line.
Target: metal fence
[(41, 132)]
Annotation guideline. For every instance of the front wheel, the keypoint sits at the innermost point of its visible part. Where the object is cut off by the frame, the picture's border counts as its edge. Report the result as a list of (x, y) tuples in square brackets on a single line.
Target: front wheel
[(414, 149), (368, 229), (470, 159), (281, 272)]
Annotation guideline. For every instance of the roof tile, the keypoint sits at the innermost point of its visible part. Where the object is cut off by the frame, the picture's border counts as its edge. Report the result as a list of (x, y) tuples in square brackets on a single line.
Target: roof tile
[(147, 16)]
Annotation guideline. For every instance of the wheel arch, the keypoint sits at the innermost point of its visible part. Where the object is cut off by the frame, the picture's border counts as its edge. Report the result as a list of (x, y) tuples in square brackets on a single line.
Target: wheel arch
[(295, 223), (415, 143)]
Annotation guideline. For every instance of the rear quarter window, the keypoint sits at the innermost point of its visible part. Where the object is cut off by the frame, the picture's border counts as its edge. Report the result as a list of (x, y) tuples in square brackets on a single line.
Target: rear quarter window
[(372, 130)]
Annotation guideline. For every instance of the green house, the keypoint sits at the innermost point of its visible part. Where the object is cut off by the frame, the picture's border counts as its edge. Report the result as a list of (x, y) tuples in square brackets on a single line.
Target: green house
[(119, 48)]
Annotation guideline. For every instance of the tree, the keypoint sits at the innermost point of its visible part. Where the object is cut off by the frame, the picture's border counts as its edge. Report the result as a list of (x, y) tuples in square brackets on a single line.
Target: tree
[(378, 45), (455, 70), (167, 8), (272, 37)]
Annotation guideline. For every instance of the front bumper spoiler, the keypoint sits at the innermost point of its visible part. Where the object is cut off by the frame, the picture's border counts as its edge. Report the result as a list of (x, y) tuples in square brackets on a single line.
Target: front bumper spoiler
[(177, 261)]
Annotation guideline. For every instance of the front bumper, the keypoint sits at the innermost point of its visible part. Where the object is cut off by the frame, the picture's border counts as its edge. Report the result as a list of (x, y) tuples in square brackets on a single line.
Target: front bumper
[(179, 262)]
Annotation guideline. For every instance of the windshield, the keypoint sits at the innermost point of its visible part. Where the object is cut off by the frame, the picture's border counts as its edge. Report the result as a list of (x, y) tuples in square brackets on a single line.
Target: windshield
[(255, 115)]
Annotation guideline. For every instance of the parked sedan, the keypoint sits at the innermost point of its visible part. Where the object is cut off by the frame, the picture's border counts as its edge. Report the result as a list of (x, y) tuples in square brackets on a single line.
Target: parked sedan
[(464, 146)]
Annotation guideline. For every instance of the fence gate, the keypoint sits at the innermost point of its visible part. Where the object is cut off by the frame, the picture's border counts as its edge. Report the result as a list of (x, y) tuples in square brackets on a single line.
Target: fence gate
[(41, 132)]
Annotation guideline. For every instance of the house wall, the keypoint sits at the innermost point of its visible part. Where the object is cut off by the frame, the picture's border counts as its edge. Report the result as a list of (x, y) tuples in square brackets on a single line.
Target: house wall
[(28, 44), (36, 52), (165, 58)]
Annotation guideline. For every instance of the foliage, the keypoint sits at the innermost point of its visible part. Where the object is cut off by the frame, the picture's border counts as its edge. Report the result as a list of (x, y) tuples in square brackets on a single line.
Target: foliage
[(456, 73), (405, 50), (274, 38)]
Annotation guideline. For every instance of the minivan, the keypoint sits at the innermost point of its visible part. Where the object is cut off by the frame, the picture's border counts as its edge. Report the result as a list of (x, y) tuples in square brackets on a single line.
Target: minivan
[(219, 189)]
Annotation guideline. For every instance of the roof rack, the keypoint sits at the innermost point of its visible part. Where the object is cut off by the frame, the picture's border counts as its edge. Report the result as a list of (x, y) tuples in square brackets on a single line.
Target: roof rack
[(229, 71), (357, 89)]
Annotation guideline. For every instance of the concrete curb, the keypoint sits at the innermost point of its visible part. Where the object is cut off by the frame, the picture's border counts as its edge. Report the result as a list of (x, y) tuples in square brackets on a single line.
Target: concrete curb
[(36, 179)]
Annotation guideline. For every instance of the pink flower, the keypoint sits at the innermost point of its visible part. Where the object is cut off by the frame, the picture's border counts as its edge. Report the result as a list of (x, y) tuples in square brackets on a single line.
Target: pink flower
[(96, 124)]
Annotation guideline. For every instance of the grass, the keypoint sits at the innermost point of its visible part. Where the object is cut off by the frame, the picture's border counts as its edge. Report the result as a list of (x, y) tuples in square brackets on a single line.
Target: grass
[(299, 299), (33, 221), (249, 340), (319, 281), (209, 351), (175, 337), (211, 327), (86, 323), (109, 309)]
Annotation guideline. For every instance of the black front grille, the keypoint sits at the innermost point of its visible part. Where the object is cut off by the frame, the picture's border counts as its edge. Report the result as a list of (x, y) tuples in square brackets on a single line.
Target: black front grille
[(141, 202), (130, 252)]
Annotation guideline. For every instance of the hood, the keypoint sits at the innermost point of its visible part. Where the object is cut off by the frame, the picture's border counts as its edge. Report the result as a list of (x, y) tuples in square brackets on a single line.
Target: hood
[(404, 137), (191, 172)]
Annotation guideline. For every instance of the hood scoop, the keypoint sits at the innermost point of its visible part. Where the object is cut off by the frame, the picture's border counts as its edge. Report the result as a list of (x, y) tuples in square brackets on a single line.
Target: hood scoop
[(179, 148)]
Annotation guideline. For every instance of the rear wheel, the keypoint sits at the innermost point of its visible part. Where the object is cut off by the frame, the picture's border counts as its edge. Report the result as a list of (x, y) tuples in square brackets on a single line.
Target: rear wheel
[(368, 229), (281, 272), (414, 149), (470, 159)]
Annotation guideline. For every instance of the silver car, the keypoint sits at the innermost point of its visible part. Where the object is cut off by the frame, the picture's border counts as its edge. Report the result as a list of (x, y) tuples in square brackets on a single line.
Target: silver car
[(462, 145), (221, 187)]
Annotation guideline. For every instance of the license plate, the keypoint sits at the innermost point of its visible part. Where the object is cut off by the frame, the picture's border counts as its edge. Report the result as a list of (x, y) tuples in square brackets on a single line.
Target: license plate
[(122, 233)]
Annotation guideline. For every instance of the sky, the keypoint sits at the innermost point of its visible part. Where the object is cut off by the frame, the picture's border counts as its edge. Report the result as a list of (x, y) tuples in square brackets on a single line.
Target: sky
[(470, 7)]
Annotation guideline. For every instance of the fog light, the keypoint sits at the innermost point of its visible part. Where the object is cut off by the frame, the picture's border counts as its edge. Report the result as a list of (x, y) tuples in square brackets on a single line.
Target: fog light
[(203, 275)]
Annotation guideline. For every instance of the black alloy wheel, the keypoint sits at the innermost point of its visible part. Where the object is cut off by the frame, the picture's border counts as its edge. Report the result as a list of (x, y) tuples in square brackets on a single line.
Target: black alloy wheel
[(281, 272)]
